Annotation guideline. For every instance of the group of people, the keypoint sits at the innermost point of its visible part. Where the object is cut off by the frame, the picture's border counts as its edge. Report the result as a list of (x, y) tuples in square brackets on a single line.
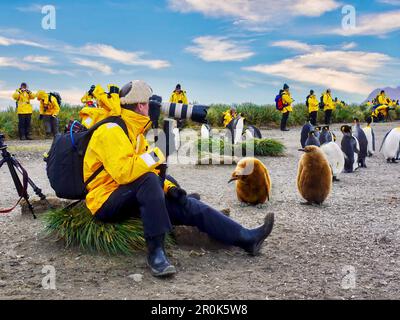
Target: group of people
[(325, 103), (50, 104), (381, 105), (49, 110)]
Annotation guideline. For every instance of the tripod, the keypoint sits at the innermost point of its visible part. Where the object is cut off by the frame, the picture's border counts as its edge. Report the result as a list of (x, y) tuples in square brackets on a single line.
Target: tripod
[(14, 166)]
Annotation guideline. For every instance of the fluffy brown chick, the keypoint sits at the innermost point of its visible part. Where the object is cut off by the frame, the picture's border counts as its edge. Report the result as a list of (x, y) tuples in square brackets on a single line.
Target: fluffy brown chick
[(253, 183), (314, 178)]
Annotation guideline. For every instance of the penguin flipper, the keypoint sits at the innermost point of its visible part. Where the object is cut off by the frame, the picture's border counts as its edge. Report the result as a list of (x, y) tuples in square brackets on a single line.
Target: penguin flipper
[(384, 139), (373, 139)]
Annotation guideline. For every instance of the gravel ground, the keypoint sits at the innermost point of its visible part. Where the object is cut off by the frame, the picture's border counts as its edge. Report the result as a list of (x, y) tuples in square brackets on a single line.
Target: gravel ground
[(346, 249)]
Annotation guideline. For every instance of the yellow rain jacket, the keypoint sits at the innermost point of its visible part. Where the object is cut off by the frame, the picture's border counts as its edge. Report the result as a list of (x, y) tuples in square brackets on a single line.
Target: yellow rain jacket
[(287, 102), (124, 160), (179, 97), (382, 99), (328, 102), (87, 98), (48, 106), (23, 99), (228, 117), (383, 109), (313, 103)]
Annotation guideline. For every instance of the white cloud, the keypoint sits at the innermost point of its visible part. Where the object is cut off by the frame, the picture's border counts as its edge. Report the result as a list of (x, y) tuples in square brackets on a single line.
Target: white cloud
[(347, 71), (71, 95), (210, 48), (256, 11), (121, 56), (12, 42), (297, 45), (95, 65), (7, 62), (39, 59), (392, 2), (373, 25), (31, 8), (349, 45)]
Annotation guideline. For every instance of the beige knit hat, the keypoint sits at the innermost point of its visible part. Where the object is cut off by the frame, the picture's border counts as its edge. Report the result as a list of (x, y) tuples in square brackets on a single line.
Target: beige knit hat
[(136, 91)]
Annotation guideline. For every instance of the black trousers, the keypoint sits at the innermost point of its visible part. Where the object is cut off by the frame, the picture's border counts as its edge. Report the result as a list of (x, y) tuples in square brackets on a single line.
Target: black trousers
[(328, 116), (50, 124), (313, 118), (24, 125), (145, 198), (285, 117)]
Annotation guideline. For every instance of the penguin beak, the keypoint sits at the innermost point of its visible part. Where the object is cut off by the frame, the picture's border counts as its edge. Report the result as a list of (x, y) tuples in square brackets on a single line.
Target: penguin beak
[(301, 150), (233, 179)]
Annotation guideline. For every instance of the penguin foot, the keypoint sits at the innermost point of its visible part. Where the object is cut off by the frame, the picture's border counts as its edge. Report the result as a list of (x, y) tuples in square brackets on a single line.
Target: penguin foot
[(306, 203), (334, 179)]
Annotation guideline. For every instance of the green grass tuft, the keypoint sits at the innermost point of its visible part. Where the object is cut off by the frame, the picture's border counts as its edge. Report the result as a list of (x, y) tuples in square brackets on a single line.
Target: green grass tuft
[(77, 227), (262, 147)]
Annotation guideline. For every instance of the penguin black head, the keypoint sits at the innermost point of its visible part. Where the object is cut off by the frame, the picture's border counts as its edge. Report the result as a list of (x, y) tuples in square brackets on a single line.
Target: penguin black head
[(356, 121), (345, 129), (369, 120), (325, 128)]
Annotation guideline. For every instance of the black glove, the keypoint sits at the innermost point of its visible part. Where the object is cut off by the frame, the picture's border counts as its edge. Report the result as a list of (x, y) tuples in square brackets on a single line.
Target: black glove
[(91, 90), (178, 195), (114, 89), (163, 170)]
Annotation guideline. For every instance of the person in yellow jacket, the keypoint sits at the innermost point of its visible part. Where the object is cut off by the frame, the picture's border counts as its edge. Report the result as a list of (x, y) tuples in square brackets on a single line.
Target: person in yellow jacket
[(49, 110), (229, 115), (23, 98), (178, 96), (88, 100), (287, 107), (329, 106), (381, 111), (133, 183), (313, 106)]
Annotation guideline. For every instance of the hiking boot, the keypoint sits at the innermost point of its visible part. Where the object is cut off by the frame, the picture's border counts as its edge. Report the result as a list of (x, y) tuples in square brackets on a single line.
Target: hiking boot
[(157, 259), (254, 238)]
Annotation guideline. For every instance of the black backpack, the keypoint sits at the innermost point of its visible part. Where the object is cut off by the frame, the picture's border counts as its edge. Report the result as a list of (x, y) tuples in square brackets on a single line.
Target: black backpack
[(65, 161), (321, 102), (57, 96)]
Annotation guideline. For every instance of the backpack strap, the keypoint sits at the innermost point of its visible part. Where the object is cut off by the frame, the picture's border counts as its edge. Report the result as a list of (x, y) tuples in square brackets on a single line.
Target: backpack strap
[(114, 119)]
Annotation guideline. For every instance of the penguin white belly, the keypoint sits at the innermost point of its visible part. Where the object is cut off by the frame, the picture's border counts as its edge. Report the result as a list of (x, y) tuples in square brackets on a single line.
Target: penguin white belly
[(205, 132), (177, 137), (368, 133), (239, 131), (355, 164), (391, 145), (249, 135), (335, 157)]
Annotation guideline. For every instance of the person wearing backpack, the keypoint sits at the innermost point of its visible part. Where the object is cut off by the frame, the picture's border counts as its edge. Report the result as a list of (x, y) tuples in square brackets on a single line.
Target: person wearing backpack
[(328, 105), (49, 111), (131, 181), (287, 107), (312, 104), (23, 96)]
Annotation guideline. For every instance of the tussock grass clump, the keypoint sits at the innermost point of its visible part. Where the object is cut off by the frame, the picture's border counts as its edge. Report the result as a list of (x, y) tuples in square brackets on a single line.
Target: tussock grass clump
[(261, 147), (77, 227)]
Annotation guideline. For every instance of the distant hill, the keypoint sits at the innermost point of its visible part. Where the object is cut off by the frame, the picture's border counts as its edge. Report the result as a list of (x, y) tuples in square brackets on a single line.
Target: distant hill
[(393, 93)]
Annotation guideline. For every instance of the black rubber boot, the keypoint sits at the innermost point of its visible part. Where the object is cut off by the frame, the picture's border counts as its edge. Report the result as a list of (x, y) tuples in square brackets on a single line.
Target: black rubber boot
[(157, 259), (253, 239)]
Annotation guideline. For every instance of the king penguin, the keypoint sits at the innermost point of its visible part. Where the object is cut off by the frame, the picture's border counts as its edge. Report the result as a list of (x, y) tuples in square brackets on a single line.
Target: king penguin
[(326, 135), (391, 145), (307, 128), (363, 142), (369, 133), (312, 140), (335, 157), (314, 177), (350, 148), (253, 182)]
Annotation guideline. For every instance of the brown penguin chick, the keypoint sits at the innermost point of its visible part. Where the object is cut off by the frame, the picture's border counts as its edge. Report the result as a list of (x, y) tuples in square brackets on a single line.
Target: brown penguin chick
[(314, 178), (253, 183)]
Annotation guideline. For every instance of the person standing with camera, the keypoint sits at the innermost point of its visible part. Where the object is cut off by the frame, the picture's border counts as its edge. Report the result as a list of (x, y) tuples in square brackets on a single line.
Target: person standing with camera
[(179, 96), (287, 107), (49, 110), (23, 96)]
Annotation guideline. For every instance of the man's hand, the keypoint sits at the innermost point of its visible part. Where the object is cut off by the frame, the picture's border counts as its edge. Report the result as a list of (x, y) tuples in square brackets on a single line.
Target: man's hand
[(178, 195)]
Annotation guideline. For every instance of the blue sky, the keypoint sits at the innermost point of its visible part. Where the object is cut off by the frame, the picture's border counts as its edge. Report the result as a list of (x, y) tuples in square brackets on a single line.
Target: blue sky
[(233, 51)]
